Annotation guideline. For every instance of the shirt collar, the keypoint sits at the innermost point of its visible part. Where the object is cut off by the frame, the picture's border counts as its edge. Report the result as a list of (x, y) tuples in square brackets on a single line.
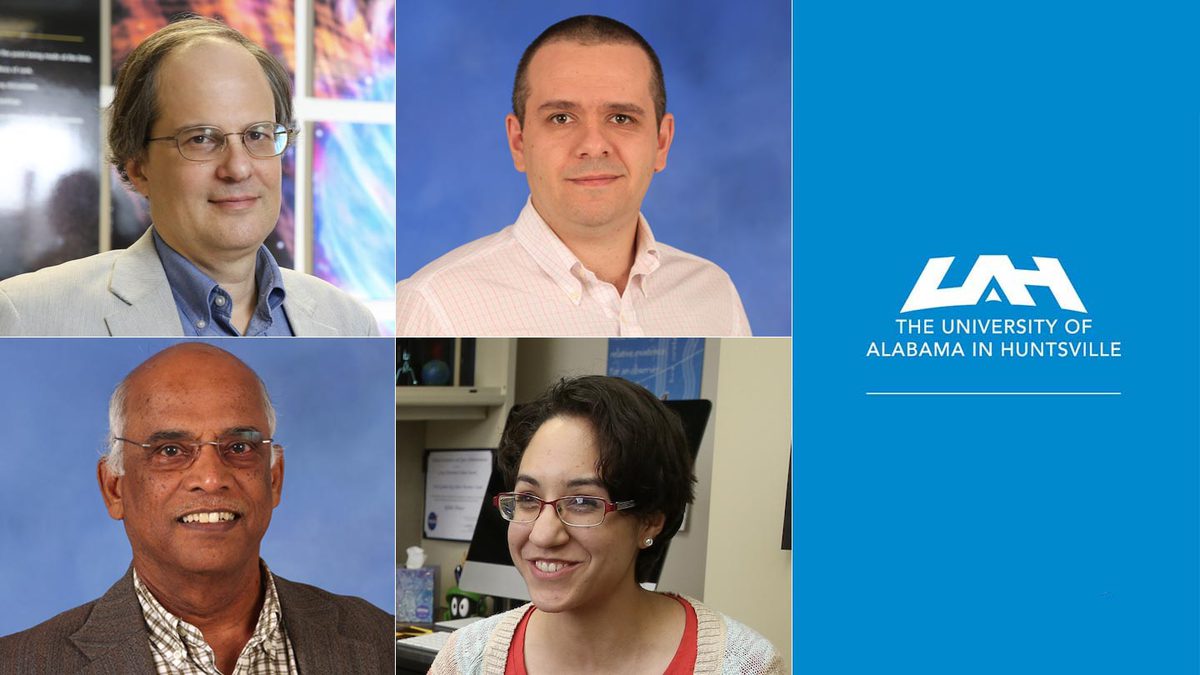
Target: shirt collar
[(645, 257), (180, 641), (196, 293), (567, 271)]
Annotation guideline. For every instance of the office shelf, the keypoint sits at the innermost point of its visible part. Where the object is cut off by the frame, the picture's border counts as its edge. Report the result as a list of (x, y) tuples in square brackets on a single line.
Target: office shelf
[(447, 403)]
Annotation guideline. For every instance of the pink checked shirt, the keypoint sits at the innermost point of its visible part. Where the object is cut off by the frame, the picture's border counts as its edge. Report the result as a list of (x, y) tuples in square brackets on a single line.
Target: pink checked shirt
[(524, 281)]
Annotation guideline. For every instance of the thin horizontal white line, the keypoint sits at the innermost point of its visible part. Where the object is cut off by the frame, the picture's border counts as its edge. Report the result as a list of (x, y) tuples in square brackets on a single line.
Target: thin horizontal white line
[(993, 393)]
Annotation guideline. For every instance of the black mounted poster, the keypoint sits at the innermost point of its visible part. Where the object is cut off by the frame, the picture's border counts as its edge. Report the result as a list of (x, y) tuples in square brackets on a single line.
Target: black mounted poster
[(49, 132)]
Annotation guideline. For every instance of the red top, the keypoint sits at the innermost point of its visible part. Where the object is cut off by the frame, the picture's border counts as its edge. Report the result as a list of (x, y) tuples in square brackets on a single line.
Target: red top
[(684, 662)]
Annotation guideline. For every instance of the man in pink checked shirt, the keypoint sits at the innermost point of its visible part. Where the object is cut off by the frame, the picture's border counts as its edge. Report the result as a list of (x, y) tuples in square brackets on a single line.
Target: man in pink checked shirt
[(589, 129)]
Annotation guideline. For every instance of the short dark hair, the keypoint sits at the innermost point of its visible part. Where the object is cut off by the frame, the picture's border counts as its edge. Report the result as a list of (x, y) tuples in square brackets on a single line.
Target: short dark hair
[(643, 452), (589, 29), (134, 108)]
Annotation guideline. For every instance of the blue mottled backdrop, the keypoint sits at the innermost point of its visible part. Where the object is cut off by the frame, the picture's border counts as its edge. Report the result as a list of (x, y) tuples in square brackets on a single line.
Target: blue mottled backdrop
[(334, 527), (725, 194)]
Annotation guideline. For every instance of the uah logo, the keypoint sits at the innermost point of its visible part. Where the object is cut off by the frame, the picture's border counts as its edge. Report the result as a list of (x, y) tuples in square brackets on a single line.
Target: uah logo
[(926, 293)]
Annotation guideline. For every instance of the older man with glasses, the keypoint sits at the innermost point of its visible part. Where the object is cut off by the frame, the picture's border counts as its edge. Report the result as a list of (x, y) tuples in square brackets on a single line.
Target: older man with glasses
[(193, 472), (199, 119)]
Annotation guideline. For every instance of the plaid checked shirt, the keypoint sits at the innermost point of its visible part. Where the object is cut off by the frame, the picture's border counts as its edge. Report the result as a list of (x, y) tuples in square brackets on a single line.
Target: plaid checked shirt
[(523, 280), (179, 648)]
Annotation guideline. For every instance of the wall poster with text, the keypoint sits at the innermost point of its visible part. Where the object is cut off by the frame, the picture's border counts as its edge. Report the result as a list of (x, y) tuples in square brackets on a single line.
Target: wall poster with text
[(49, 117)]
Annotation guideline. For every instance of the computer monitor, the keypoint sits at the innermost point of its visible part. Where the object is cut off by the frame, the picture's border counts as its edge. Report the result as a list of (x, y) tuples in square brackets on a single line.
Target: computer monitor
[(489, 568)]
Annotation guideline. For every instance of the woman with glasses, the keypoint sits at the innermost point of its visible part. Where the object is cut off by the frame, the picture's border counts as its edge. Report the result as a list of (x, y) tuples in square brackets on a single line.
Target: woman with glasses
[(600, 474)]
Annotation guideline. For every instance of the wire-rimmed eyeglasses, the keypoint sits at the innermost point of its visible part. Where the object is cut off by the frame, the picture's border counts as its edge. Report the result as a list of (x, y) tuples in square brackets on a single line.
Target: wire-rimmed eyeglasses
[(200, 144), (240, 450), (573, 510)]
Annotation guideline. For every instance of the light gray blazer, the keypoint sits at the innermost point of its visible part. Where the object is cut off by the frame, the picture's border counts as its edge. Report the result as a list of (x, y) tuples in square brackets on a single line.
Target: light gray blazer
[(329, 633), (125, 292)]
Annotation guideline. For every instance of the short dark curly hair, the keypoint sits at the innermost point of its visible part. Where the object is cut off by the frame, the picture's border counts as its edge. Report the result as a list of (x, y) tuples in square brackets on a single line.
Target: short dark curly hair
[(643, 451)]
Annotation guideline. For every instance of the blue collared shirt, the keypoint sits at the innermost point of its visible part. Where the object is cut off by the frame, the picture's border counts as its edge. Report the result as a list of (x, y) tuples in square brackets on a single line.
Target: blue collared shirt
[(206, 309)]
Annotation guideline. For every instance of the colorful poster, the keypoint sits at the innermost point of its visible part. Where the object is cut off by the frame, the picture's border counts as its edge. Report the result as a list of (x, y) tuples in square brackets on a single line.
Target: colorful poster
[(354, 212), (354, 53), (49, 93)]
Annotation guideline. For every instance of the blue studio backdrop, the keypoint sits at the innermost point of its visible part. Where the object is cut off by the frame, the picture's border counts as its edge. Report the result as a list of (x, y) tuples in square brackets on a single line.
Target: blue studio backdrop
[(725, 192), (333, 527), (1030, 503)]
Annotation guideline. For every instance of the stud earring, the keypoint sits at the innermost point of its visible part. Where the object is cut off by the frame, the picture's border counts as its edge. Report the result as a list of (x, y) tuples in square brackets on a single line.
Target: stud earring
[(648, 542)]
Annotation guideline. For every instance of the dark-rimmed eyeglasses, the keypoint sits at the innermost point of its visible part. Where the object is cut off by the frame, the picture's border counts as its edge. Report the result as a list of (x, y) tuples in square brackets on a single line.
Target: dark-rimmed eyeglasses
[(573, 510), (239, 451), (200, 144)]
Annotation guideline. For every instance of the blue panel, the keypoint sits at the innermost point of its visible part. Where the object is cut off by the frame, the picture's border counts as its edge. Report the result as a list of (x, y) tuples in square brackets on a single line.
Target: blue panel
[(666, 366), (724, 194), (997, 534), (334, 527)]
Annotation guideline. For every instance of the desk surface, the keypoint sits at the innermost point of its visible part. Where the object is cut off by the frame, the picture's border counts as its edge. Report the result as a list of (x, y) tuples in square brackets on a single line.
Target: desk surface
[(410, 659)]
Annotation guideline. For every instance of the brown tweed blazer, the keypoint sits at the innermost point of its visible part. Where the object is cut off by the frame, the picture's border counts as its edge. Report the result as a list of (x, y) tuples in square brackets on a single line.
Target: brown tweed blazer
[(329, 633)]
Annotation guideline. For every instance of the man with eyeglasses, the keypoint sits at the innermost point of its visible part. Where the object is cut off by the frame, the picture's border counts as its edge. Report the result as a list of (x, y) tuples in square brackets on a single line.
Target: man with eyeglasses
[(199, 119), (193, 472)]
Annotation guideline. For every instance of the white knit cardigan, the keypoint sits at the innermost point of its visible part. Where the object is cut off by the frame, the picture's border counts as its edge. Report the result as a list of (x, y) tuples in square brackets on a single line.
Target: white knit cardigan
[(723, 645)]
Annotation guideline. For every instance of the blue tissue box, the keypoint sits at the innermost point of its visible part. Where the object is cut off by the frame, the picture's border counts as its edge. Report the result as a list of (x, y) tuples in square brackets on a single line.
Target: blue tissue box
[(414, 594)]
